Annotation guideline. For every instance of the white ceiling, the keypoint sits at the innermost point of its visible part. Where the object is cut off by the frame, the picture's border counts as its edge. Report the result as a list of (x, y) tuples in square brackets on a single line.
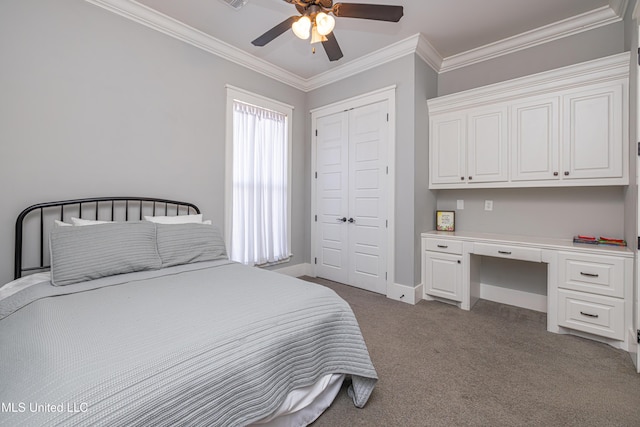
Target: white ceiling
[(451, 29)]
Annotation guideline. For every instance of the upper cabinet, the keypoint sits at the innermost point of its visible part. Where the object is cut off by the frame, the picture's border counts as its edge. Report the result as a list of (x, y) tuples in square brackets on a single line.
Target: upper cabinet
[(593, 132), (565, 127)]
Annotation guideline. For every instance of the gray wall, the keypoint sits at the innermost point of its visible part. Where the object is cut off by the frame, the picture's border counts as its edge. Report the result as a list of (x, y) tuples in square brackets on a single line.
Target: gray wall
[(94, 104), (585, 46), (425, 200), (550, 212), (400, 72)]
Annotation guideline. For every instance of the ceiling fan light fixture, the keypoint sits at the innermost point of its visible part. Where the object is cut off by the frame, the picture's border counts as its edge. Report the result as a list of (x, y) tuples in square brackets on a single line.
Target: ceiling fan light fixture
[(301, 27), (316, 37), (325, 23)]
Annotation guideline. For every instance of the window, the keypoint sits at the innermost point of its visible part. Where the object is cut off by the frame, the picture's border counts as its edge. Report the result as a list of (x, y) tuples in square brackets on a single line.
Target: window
[(258, 196)]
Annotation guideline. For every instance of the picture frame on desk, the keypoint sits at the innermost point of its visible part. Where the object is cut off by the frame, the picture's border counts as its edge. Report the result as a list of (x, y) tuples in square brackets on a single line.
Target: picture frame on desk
[(445, 221)]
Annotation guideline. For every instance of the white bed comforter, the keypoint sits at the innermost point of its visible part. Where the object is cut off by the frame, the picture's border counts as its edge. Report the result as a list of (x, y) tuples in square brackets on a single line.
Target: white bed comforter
[(206, 344)]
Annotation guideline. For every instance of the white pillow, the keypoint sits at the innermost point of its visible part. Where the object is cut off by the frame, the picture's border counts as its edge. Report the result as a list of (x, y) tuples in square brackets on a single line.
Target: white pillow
[(80, 221), (62, 224), (178, 219)]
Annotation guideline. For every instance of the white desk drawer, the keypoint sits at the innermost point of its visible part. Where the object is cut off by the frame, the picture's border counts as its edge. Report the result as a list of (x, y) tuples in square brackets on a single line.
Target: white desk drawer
[(446, 246), (594, 314), (511, 252), (600, 275)]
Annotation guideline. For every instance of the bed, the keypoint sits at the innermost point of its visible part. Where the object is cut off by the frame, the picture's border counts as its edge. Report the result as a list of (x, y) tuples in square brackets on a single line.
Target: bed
[(139, 318)]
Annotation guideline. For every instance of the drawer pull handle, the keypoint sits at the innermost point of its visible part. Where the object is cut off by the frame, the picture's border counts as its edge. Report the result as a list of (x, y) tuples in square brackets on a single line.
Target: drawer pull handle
[(589, 274), (504, 252), (589, 314), (443, 246)]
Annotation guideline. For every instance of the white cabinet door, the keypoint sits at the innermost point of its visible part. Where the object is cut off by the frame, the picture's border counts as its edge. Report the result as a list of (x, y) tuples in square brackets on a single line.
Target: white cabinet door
[(442, 275), (535, 136), (592, 132), (447, 149), (487, 145)]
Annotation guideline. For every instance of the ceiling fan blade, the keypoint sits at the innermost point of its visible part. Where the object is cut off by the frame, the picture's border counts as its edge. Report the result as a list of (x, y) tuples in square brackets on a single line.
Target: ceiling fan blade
[(379, 12), (332, 47), (275, 31)]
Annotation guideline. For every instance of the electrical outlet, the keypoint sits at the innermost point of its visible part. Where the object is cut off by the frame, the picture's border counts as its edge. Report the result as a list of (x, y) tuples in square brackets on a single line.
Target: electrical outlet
[(460, 205), (488, 205)]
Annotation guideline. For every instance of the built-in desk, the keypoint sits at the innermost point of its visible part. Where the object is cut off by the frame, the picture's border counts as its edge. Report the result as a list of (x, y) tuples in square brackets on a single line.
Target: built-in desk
[(589, 287)]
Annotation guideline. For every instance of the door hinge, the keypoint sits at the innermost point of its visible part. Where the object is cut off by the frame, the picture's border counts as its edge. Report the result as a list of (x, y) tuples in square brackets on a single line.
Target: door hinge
[(638, 331), (639, 243), (315, 261), (639, 56), (387, 170), (316, 175), (638, 148), (386, 223), (386, 275), (316, 218), (387, 116), (316, 132)]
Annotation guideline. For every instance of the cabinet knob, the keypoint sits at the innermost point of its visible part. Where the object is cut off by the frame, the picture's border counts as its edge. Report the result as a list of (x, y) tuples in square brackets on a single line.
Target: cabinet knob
[(462, 178), (470, 178), (566, 173), (555, 174), (459, 262)]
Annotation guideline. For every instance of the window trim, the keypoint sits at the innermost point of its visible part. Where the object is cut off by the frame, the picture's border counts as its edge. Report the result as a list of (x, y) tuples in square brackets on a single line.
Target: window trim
[(233, 94)]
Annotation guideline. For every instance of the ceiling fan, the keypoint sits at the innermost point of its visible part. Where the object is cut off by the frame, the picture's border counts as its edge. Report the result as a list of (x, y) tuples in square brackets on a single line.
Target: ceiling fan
[(316, 21)]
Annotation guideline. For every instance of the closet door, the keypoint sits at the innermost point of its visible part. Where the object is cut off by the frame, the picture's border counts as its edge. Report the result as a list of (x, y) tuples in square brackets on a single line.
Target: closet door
[(332, 193), (368, 133), (351, 194)]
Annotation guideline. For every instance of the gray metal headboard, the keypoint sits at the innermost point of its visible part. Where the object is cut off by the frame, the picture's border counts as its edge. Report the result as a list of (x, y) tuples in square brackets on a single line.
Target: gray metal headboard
[(103, 208)]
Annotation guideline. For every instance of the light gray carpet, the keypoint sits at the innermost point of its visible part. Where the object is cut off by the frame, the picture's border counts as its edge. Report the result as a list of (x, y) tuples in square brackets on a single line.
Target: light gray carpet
[(493, 366)]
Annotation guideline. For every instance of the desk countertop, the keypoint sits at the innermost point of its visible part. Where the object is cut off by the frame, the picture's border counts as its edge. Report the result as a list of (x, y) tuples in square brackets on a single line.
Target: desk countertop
[(531, 241)]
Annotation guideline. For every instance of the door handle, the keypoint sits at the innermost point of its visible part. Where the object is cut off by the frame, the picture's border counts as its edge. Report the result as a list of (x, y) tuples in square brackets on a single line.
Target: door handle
[(343, 219), (351, 220)]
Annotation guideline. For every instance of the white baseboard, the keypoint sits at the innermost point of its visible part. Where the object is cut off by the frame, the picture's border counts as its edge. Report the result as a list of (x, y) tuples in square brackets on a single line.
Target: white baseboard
[(408, 294), (297, 270), (404, 293), (514, 297)]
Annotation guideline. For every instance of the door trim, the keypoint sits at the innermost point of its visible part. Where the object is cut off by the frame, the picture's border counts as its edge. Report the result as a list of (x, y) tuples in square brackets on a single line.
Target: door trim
[(385, 94)]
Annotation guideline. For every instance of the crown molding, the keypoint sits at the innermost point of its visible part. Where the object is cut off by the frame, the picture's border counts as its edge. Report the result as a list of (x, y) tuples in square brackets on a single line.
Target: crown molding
[(366, 62), (153, 19), (605, 15), (428, 53), (636, 12), (619, 7), (609, 68), (416, 44)]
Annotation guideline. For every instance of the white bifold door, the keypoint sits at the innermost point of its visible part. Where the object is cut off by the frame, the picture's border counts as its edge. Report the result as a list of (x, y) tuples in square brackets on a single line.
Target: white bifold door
[(351, 196)]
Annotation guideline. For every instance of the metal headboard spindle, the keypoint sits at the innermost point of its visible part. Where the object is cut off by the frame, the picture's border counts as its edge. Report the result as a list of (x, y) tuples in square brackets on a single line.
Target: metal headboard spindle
[(19, 269)]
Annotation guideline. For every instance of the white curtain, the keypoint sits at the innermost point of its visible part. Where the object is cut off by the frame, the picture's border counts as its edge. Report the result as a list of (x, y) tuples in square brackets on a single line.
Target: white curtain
[(259, 220)]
